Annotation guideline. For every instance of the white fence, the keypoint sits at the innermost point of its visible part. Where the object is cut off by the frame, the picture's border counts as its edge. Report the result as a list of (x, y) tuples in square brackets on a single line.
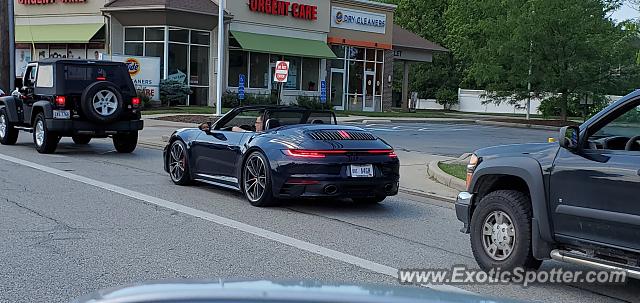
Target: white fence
[(471, 101)]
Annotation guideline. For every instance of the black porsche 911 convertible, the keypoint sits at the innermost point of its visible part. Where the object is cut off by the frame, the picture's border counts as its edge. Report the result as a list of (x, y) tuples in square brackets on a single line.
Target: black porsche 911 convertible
[(271, 153)]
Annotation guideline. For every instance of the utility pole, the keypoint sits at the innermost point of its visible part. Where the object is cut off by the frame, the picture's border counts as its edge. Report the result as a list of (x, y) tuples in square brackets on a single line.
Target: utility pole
[(529, 81), (5, 48), (12, 46), (221, 58)]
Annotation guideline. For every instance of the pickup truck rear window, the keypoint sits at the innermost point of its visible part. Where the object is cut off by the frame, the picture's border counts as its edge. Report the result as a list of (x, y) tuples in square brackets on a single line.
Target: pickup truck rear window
[(78, 77)]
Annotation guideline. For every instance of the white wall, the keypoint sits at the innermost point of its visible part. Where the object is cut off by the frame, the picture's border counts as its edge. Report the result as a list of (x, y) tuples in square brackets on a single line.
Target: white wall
[(471, 101)]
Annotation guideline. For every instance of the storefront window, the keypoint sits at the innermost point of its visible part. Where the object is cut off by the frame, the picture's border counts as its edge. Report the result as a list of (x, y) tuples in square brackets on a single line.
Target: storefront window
[(199, 66), (237, 66), (379, 79), (339, 50), (155, 49), (133, 48), (355, 53), (356, 74), (201, 38), (380, 56), (154, 34), (179, 35), (178, 61), (134, 34), (371, 55), (310, 74), (259, 70), (295, 66), (199, 96)]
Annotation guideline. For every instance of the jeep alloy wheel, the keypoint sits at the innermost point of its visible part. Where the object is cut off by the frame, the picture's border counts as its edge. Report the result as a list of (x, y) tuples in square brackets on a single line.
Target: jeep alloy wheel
[(105, 103)]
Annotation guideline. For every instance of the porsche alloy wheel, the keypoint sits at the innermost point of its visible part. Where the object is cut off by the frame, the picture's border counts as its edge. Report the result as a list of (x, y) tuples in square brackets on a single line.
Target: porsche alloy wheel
[(256, 180), (178, 167)]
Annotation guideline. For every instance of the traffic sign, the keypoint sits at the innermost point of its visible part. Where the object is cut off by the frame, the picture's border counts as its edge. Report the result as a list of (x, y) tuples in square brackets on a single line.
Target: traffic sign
[(282, 72), (323, 91), (241, 84)]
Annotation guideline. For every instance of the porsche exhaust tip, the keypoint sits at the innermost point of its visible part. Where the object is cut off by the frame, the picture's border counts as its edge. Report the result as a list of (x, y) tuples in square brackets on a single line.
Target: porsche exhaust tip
[(330, 189)]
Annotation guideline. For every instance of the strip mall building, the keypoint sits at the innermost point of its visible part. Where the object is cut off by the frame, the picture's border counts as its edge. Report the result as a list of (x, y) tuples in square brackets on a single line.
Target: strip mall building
[(351, 44)]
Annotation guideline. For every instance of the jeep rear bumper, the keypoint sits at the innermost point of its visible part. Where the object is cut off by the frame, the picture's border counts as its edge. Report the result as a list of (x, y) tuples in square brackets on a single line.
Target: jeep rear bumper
[(71, 127)]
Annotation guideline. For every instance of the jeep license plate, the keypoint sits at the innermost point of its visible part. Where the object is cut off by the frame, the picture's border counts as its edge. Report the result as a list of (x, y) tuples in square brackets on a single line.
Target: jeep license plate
[(62, 114), (362, 171)]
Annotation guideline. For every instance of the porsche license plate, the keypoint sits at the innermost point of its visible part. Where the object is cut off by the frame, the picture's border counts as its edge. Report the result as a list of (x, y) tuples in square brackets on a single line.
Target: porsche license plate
[(362, 171), (62, 114)]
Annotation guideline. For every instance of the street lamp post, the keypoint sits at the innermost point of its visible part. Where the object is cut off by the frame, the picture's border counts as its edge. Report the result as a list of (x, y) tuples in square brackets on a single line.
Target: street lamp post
[(221, 56)]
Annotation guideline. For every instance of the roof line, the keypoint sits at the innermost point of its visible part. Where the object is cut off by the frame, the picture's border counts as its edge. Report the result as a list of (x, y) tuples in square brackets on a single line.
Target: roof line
[(374, 3)]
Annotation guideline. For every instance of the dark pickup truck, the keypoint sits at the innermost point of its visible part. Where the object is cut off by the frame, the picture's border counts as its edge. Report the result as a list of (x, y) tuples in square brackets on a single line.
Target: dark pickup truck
[(575, 201), (81, 99)]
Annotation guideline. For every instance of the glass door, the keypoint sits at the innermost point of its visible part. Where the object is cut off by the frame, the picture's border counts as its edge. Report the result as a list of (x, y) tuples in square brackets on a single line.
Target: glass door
[(337, 89), (369, 84)]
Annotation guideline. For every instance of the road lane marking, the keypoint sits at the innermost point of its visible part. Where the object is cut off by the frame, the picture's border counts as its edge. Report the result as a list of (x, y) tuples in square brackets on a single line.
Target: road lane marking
[(257, 231)]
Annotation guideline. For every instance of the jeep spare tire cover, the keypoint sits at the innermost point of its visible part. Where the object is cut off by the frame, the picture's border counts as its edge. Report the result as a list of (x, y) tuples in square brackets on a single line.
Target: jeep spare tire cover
[(101, 102)]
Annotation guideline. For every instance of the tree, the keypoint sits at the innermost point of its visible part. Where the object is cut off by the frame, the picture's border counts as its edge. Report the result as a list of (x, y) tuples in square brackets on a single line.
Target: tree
[(425, 18), (572, 46)]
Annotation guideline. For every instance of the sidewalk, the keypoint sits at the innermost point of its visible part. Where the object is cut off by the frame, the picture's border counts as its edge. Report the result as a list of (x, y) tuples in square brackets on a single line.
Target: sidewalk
[(413, 170)]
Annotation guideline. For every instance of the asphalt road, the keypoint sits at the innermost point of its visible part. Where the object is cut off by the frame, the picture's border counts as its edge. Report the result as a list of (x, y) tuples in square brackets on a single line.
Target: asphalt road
[(453, 139), (88, 218)]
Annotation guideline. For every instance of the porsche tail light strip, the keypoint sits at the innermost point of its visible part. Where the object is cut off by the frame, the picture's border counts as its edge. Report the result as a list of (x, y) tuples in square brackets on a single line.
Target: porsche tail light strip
[(299, 153)]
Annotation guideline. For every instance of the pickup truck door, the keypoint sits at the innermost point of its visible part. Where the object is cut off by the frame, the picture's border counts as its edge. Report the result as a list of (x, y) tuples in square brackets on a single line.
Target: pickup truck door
[(595, 193)]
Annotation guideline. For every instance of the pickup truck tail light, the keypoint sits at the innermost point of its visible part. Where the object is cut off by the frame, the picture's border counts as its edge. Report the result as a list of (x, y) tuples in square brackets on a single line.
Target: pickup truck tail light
[(135, 102), (61, 101), (471, 167)]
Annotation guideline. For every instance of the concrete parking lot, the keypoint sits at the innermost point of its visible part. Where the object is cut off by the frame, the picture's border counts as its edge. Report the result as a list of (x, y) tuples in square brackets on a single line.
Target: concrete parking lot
[(87, 218)]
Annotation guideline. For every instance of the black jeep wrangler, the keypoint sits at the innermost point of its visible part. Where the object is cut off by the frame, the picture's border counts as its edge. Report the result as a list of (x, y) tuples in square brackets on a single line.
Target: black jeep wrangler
[(80, 99), (575, 201)]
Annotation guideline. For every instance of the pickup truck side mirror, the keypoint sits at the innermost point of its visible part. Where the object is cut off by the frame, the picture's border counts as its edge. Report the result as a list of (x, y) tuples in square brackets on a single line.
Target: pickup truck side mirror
[(569, 137)]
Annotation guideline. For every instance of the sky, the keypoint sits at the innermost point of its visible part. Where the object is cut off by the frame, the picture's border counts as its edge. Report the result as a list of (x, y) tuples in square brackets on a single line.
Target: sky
[(626, 12)]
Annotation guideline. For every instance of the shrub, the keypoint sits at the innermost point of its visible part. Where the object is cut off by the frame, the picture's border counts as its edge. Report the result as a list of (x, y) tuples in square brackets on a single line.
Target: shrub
[(447, 97), (144, 99), (310, 103), (230, 100), (173, 92)]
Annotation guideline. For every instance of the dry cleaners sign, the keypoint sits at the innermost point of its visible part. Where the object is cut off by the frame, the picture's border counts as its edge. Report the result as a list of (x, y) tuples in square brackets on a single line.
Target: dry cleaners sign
[(358, 20), (145, 73)]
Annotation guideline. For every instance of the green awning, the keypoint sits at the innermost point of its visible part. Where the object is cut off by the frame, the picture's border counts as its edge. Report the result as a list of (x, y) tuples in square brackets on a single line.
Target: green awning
[(57, 33), (283, 45)]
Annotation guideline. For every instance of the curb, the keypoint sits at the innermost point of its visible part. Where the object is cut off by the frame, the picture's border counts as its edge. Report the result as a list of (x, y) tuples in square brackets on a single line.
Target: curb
[(422, 194), (441, 177), (517, 125)]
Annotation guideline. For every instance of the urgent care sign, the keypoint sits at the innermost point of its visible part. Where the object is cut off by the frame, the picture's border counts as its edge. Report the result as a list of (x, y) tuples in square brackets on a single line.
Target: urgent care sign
[(34, 2), (284, 8)]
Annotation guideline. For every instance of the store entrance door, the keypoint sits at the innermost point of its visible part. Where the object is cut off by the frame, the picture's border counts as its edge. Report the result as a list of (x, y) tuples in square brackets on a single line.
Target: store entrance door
[(337, 89), (369, 84)]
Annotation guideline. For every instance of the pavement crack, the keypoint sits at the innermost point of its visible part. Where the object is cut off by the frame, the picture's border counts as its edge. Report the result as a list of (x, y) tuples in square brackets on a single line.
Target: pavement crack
[(59, 223), (379, 232)]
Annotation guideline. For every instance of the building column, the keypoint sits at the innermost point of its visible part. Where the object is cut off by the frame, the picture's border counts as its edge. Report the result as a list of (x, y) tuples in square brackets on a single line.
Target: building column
[(405, 86)]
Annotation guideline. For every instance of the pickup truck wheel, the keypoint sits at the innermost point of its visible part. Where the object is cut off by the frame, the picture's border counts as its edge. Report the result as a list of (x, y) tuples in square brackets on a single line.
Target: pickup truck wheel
[(125, 143), (8, 134), (81, 139), (46, 141), (501, 231)]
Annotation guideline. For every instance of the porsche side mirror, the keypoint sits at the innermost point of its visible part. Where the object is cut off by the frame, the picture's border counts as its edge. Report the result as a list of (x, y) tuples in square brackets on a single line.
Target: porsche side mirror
[(569, 137)]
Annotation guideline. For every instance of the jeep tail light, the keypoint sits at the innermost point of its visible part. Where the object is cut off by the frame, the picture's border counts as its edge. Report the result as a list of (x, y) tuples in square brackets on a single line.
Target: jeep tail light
[(135, 101), (471, 167), (101, 78), (61, 101)]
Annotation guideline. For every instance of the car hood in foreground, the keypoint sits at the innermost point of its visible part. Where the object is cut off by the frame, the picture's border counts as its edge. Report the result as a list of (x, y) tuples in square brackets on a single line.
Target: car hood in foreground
[(269, 291), (534, 150)]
